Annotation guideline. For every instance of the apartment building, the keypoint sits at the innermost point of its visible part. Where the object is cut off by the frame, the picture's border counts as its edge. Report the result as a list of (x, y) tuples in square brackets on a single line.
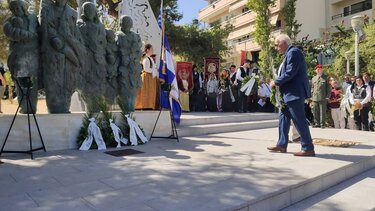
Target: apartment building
[(327, 14), (237, 13), (318, 17)]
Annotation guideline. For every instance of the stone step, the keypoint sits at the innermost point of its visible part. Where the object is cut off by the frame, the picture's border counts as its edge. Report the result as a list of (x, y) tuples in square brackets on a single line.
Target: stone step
[(204, 129), (354, 194), (285, 197), (200, 118)]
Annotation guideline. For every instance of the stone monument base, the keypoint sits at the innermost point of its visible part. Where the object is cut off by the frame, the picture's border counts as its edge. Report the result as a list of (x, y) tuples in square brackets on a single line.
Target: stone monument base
[(60, 131)]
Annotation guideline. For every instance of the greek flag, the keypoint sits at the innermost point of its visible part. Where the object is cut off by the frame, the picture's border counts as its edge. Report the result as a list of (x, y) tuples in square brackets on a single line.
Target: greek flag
[(167, 73)]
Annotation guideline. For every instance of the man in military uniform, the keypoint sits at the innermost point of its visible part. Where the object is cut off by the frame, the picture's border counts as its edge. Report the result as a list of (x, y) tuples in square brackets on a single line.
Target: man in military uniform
[(321, 92)]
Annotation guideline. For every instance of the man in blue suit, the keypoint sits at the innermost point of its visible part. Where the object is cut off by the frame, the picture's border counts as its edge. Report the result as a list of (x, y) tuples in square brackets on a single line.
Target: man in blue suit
[(294, 87)]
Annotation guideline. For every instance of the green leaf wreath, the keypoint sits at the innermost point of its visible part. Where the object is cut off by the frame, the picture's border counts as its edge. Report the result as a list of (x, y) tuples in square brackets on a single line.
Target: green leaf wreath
[(123, 123), (102, 120), (372, 107), (254, 89), (273, 96)]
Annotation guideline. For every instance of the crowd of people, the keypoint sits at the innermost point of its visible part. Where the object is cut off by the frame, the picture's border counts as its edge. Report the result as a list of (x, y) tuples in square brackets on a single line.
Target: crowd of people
[(348, 102), (334, 103), (223, 94)]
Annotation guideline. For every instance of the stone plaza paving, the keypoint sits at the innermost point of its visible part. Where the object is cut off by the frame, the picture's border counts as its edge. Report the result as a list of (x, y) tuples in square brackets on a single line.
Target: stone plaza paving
[(226, 171)]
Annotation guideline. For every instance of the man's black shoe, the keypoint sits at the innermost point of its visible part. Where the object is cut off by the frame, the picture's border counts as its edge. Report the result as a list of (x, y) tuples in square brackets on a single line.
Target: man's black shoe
[(296, 140)]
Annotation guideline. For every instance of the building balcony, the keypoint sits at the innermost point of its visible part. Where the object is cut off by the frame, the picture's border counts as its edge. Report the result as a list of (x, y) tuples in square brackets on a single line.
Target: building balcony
[(340, 19), (278, 6), (336, 1), (249, 44), (245, 24), (242, 19), (214, 9), (239, 33), (351, 13), (218, 8), (246, 45), (245, 18)]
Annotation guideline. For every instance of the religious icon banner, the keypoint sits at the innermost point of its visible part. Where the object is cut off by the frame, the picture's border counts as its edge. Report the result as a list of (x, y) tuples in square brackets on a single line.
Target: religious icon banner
[(184, 73), (211, 66)]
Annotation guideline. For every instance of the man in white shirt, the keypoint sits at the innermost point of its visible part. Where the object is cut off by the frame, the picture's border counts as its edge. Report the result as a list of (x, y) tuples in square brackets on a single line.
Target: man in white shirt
[(242, 72), (264, 92)]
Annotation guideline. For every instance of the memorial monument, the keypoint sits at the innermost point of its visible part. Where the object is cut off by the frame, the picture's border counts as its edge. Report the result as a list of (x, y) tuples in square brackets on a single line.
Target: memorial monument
[(129, 78), (69, 55), (22, 31)]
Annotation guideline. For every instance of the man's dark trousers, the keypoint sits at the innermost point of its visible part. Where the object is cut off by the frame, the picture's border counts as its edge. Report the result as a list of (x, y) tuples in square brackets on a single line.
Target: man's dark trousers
[(295, 111)]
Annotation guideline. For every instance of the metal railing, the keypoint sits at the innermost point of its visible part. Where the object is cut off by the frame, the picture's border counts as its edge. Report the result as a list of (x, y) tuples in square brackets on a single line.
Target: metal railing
[(349, 13)]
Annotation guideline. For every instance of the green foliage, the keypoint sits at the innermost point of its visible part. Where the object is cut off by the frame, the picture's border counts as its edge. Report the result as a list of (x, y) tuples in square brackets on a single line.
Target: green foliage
[(255, 87), (291, 25), (4, 14), (262, 32), (170, 10), (102, 120), (193, 43), (273, 95), (372, 107), (104, 123), (83, 130), (366, 53), (123, 123)]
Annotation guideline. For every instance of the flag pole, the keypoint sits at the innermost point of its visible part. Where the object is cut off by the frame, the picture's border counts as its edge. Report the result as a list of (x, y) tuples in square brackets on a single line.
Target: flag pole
[(162, 53), (167, 94)]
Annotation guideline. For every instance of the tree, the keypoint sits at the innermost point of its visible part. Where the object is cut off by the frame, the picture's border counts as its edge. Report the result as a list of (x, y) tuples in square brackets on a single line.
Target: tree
[(193, 43), (291, 25), (366, 53), (4, 14), (262, 32)]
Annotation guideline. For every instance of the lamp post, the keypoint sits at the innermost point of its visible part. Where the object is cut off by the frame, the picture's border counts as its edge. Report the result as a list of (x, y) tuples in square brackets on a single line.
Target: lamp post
[(357, 24), (348, 54)]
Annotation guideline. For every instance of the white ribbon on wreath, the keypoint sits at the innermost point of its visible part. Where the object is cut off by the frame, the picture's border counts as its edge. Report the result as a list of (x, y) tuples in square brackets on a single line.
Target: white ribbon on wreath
[(93, 133), (248, 86), (119, 137), (134, 132)]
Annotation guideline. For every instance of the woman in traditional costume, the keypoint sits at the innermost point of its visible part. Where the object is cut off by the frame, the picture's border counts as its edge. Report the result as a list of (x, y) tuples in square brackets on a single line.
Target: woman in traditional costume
[(147, 94)]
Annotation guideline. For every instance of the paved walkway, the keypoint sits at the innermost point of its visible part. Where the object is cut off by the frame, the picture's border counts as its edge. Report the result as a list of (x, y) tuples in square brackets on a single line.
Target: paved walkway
[(214, 172)]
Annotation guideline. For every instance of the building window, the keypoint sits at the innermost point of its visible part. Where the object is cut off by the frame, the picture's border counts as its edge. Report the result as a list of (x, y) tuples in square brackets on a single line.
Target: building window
[(367, 4), (356, 7), (278, 24), (361, 6), (346, 11), (245, 9)]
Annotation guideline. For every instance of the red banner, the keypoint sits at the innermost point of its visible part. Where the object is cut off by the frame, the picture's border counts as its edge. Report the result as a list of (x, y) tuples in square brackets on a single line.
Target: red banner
[(243, 57), (211, 66), (184, 74)]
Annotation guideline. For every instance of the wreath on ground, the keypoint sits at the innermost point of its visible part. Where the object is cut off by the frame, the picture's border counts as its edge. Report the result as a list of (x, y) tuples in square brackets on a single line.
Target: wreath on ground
[(103, 121)]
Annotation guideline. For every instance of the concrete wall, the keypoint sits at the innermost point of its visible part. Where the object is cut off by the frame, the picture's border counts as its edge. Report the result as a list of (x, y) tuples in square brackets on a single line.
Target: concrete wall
[(312, 15), (60, 131)]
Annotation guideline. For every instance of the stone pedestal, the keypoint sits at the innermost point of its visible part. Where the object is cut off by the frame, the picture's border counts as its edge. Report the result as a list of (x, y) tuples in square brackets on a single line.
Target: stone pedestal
[(60, 131)]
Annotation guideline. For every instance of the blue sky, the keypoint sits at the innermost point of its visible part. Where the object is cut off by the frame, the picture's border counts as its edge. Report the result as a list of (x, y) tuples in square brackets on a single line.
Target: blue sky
[(190, 9)]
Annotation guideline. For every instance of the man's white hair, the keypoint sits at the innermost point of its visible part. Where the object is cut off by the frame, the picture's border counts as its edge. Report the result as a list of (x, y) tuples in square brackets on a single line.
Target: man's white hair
[(283, 38)]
